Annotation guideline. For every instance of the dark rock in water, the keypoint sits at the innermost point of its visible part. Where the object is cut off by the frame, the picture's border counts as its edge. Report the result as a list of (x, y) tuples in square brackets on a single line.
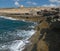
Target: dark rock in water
[(53, 37)]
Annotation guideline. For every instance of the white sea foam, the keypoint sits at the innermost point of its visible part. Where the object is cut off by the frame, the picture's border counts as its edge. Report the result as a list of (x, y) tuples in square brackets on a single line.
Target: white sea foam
[(8, 18), (31, 26), (11, 18), (19, 45)]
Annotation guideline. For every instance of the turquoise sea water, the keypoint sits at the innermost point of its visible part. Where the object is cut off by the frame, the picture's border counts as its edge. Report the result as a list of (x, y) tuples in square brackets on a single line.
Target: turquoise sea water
[(14, 34)]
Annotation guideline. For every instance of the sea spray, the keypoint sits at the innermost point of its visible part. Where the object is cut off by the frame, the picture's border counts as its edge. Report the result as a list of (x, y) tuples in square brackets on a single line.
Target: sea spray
[(19, 45)]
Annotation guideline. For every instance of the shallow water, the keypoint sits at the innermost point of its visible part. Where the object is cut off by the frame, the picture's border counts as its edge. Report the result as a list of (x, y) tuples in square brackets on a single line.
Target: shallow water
[(14, 34)]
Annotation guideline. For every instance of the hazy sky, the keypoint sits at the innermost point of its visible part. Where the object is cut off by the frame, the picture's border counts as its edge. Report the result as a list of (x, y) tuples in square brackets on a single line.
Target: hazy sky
[(28, 3)]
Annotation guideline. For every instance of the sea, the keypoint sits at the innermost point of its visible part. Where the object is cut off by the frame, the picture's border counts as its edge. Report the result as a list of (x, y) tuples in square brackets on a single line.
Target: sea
[(14, 33)]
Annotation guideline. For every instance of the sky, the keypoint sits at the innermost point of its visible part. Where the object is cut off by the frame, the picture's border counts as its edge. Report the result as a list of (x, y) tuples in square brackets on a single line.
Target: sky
[(28, 3)]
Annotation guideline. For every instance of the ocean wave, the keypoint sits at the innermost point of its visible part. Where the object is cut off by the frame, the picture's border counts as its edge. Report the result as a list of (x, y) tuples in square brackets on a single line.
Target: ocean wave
[(8, 18), (18, 45), (11, 18)]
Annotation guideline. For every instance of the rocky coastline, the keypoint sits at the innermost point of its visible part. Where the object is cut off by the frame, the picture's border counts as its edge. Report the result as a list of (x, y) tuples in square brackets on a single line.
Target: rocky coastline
[(47, 35)]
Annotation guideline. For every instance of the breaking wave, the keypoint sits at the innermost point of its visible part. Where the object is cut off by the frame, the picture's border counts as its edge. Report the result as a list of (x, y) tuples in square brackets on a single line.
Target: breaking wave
[(17, 44), (8, 18)]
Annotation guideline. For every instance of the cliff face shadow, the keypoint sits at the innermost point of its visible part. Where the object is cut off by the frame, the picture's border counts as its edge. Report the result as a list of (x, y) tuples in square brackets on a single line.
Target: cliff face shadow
[(53, 39)]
